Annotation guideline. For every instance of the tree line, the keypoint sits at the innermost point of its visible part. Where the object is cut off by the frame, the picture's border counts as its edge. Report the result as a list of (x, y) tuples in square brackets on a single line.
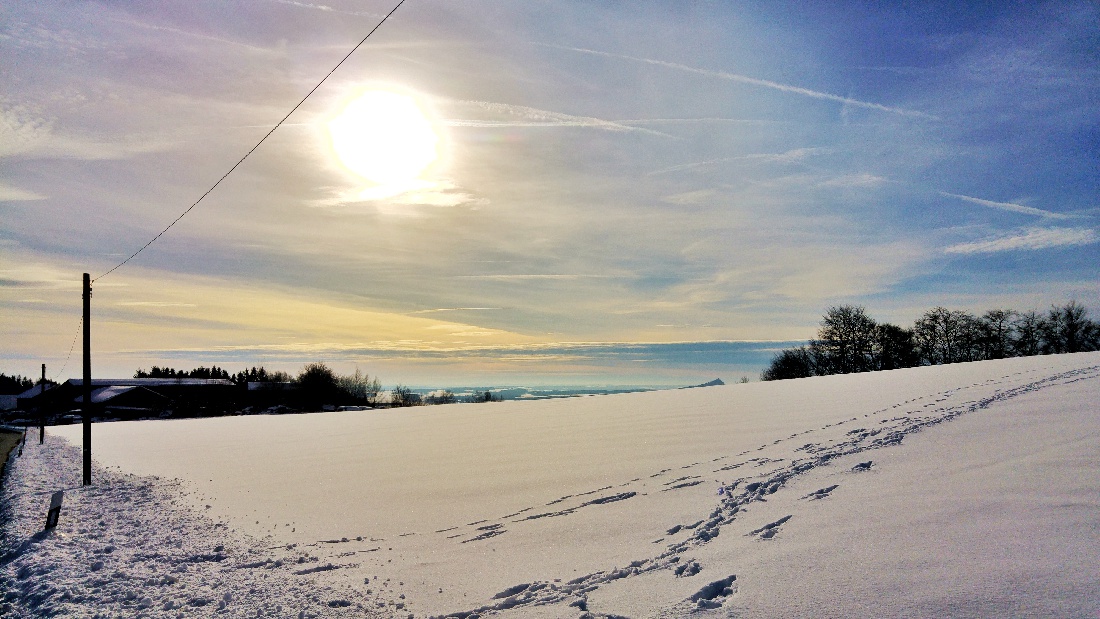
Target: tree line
[(850, 341), (11, 385), (253, 375), (317, 384)]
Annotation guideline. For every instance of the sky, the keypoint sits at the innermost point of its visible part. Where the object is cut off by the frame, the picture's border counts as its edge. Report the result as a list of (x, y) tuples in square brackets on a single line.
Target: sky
[(621, 193)]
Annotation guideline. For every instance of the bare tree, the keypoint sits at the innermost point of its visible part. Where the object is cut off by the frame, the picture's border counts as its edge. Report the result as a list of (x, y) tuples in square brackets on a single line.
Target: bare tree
[(845, 342), (894, 348), (946, 336), (789, 363), (360, 386), (996, 331), (403, 396), (445, 396), (1068, 329), (1027, 340)]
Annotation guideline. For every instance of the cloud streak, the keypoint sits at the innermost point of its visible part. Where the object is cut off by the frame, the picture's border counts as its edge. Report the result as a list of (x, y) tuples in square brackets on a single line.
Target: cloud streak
[(791, 156), (1029, 239), (325, 8), (15, 194), (1006, 206), (194, 35), (533, 277), (744, 79), (456, 309)]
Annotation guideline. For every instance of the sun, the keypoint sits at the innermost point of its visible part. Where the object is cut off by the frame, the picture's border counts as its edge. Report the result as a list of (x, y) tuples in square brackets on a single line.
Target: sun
[(384, 137)]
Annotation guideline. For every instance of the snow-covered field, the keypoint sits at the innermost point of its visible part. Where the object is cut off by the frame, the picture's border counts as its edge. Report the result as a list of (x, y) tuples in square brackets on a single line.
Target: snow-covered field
[(970, 490)]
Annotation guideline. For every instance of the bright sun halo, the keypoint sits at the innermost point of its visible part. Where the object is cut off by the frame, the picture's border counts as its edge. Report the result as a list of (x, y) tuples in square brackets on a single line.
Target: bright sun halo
[(385, 138)]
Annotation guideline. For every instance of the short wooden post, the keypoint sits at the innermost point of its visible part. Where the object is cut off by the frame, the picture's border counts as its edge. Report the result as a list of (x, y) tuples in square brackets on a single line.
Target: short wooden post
[(55, 509)]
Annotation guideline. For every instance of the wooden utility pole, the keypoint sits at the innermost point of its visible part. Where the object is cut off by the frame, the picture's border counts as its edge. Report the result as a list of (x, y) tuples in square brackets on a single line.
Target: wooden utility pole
[(41, 410), (87, 408)]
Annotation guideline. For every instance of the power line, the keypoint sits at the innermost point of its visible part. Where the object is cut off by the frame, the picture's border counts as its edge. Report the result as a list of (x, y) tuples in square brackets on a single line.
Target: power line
[(71, 349), (253, 149)]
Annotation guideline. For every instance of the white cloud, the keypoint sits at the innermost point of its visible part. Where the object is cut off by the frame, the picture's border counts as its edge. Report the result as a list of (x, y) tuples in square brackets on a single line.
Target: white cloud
[(1029, 239)]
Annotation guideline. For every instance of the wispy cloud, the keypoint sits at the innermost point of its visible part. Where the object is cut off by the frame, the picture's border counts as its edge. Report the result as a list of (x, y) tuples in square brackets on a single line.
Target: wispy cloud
[(194, 35), (15, 194), (37, 276), (791, 156), (1006, 206), (325, 8), (698, 121), (29, 135), (744, 79), (533, 276), (456, 309), (154, 304), (1029, 239), (698, 196), (865, 179), (391, 198), (534, 117)]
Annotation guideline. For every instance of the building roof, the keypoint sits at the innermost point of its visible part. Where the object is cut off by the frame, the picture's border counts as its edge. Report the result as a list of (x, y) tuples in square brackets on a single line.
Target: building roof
[(106, 393), (35, 391)]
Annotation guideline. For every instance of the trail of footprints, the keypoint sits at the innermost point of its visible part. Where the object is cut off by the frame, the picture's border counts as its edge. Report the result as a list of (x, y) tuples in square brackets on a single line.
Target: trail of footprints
[(915, 415), (754, 485)]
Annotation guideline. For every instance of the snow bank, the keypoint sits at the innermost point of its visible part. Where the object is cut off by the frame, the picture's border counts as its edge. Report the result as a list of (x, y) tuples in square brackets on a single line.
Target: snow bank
[(835, 496)]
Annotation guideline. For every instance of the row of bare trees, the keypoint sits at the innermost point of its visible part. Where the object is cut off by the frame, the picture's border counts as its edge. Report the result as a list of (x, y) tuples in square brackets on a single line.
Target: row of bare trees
[(851, 341)]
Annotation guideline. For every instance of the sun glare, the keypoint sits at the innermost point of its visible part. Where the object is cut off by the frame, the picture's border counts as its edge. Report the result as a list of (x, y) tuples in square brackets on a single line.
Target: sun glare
[(385, 138)]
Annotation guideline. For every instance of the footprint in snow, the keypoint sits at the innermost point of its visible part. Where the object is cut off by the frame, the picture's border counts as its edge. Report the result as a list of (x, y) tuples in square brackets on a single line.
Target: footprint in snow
[(822, 493), (768, 531)]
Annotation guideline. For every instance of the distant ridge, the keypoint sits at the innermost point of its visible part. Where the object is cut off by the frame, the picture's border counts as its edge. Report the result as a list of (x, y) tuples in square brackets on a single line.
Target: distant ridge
[(714, 383)]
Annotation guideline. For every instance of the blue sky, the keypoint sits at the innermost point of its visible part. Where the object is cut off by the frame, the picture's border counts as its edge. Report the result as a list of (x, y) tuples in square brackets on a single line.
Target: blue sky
[(615, 181)]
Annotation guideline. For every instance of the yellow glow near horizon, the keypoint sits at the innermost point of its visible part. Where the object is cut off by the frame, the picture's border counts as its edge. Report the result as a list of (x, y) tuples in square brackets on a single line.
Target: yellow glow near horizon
[(385, 137)]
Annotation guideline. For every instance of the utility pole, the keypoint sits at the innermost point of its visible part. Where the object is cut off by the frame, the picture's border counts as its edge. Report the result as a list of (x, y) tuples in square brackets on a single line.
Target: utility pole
[(87, 408), (41, 410)]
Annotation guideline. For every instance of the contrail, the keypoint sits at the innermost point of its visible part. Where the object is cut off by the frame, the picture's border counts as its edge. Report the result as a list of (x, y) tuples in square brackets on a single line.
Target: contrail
[(744, 79), (534, 117), (1007, 206)]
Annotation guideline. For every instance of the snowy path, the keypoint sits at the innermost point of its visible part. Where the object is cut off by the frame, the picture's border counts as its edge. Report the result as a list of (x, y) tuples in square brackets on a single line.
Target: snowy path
[(774, 499)]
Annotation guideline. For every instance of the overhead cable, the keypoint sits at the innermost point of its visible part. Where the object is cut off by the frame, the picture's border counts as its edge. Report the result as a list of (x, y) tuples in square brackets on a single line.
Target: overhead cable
[(253, 149)]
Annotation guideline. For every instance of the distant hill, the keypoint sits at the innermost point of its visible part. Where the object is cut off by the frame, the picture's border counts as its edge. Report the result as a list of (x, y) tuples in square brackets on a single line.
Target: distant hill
[(717, 382)]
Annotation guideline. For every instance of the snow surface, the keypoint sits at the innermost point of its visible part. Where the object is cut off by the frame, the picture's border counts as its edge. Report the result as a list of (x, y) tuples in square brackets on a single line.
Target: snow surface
[(843, 496)]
